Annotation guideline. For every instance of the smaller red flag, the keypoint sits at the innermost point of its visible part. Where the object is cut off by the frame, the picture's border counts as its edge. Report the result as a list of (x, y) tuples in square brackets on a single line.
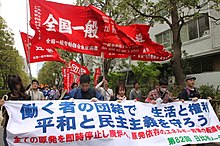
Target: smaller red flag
[(38, 52), (75, 68), (68, 78), (97, 75)]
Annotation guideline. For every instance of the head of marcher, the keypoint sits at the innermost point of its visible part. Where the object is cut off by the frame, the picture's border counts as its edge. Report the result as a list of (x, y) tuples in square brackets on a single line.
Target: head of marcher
[(190, 81), (15, 83), (105, 83), (74, 85), (16, 87), (163, 84), (85, 82), (46, 87), (120, 89), (136, 85), (35, 84), (54, 87)]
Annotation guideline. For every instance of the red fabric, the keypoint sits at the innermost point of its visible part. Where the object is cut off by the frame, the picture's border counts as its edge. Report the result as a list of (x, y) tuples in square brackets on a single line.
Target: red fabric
[(67, 78), (115, 55), (75, 68), (151, 51), (38, 52), (97, 75), (78, 80), (115, 40), (69, 27)]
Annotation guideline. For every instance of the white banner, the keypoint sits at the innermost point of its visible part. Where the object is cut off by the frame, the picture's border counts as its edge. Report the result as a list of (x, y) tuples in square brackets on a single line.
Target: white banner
[(82, 123)]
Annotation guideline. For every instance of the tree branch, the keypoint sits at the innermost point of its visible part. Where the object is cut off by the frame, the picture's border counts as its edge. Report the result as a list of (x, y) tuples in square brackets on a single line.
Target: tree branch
[(152, 16)]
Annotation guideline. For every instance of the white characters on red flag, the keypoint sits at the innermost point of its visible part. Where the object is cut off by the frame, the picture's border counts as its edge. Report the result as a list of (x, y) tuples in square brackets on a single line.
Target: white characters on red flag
[(38, 52), (77, 69), (97, 75), (68, 79), (69, 27)]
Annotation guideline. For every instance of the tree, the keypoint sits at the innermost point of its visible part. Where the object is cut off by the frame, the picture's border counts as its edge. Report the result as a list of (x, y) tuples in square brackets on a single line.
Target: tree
[(146, 73), (52, 71), (172, 12), (10, 60)]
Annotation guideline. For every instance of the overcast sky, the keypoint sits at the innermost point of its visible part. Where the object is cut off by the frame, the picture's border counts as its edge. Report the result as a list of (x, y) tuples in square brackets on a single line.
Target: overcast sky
[(14, 13)]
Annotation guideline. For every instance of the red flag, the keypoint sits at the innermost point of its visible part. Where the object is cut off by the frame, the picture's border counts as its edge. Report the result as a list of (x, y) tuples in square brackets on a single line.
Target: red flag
[(97, 75), (75, 68), (77, 28), (78, 80), (39, 53), (115, 40), (73, 28), (151, 51), (68, 78)]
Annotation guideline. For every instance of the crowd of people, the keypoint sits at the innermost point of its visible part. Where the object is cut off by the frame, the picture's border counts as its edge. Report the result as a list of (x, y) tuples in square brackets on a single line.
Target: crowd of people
[(101, 92)]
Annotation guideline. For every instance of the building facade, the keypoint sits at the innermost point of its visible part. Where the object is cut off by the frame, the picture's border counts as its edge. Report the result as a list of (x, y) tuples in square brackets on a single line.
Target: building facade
[(201, 41)]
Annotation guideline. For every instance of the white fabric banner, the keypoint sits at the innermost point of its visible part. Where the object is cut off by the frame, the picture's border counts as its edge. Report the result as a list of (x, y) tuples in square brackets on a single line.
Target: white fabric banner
[(82, 123)]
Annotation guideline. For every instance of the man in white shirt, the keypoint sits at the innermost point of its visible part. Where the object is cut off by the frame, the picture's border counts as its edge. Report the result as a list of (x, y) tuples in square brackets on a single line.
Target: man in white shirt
[(34, 92), (103, 88)]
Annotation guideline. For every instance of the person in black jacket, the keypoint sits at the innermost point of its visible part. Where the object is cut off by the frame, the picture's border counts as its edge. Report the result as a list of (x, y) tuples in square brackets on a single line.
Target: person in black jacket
[(189, 93), (17, 92)]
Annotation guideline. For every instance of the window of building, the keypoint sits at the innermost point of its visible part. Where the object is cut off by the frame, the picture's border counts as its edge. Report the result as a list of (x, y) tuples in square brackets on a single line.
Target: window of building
[(203, 26), (164, 38), (202, 65), (184, 33), (191, 30), (198, 28)]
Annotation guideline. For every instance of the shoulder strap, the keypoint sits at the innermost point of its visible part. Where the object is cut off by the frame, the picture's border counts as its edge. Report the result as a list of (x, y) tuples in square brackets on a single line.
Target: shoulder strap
[(188, 92)]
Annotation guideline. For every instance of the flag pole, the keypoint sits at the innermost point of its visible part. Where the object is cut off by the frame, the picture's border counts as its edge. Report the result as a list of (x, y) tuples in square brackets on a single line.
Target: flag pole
[(28, 47), (28, 43), (81, 63), (103, 64), (129, 64)]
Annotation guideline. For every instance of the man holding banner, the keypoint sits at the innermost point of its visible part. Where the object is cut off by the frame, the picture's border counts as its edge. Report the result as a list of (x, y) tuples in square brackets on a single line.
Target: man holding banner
[(85, 92)]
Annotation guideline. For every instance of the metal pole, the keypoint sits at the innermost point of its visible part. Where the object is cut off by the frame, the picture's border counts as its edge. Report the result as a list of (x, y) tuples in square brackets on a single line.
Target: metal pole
[(103, 65), (129, 64), (28, 43), (28, 46)]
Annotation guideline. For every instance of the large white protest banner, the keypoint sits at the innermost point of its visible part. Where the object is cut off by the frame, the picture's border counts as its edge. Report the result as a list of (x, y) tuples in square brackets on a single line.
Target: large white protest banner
[(82, 123)]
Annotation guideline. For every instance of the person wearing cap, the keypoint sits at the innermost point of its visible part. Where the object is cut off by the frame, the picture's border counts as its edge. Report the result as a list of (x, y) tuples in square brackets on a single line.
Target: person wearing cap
[(189, 93), (85, 92)]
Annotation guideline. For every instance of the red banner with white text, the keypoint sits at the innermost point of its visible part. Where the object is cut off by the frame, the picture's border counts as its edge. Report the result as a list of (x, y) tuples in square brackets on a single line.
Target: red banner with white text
[(73, 28), (39, 53), (68, 78), (77, 69), (97, 75)]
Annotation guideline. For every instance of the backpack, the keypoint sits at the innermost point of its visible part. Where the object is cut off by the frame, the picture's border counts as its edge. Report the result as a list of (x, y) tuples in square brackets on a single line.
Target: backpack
[(188, 92)]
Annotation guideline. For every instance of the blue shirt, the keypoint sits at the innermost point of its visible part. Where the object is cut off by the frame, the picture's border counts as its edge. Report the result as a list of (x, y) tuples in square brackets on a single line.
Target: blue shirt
[(77, 93)]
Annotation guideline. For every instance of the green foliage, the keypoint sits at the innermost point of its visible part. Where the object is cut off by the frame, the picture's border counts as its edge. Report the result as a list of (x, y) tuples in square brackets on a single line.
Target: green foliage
[(175, 90), (52, 71), (10, 60), (3, 92), (49, 72), (115, 77), (146, 73), (207, 91)]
